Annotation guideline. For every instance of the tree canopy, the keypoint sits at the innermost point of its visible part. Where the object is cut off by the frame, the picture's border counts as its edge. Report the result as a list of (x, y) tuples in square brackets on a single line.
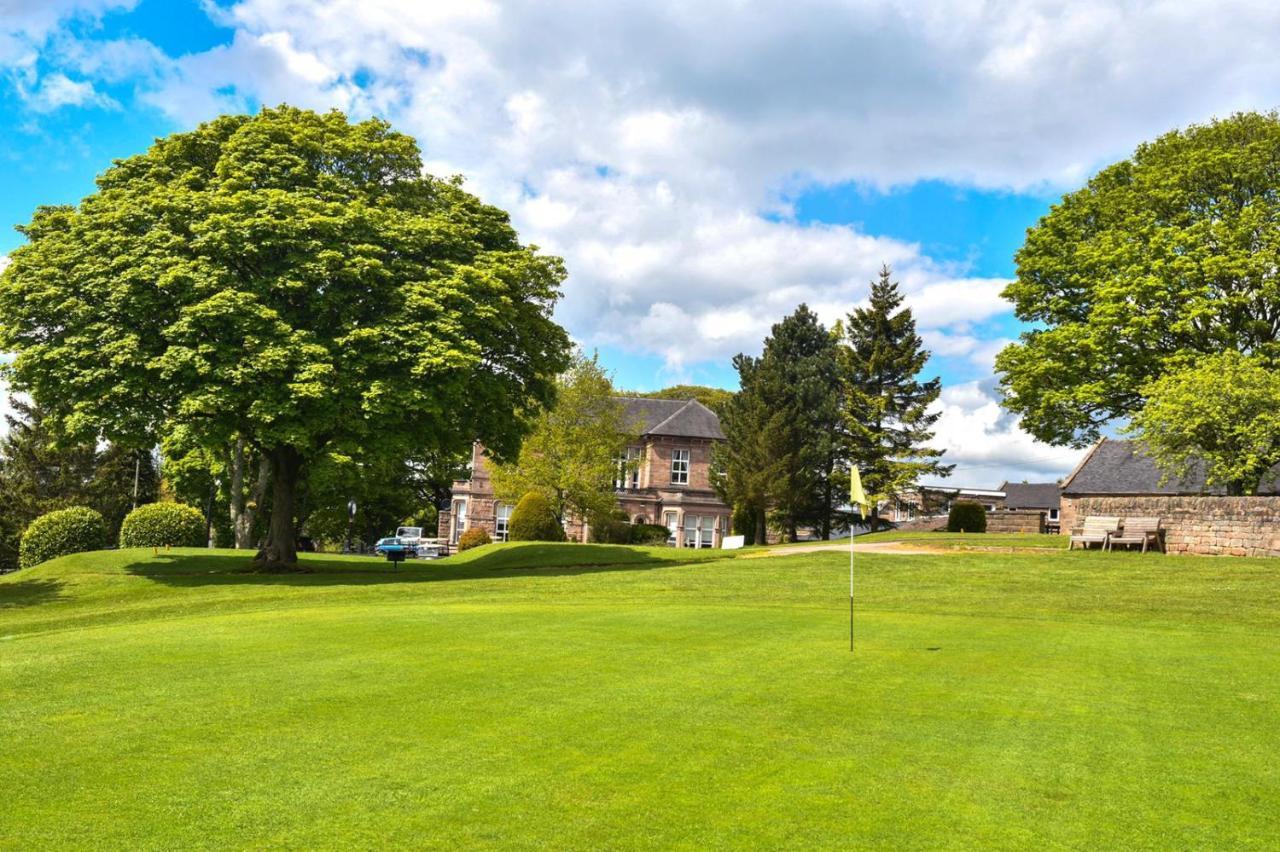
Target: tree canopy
[(1162, 258), (1221, 415), (572, 455), (290, 279)]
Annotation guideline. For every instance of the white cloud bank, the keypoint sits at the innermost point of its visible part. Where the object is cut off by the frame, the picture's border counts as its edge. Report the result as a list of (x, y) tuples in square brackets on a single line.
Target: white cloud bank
[(653, 143)]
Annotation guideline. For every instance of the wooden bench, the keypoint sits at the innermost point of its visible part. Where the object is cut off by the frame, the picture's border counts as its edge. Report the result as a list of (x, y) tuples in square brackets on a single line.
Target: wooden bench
[(1143, 531), (1096, 530)]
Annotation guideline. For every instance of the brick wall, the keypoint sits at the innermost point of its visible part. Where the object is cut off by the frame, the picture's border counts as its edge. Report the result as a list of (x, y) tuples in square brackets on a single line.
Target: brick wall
[(1235, 526), (1016, 521)]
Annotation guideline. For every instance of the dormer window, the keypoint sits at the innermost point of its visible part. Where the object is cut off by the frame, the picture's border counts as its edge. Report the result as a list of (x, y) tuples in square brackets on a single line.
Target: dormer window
[(679, 467)]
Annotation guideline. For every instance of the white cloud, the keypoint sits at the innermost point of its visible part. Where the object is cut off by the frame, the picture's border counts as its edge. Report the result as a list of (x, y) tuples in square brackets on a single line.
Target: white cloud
[(985, 444), (57, 90)]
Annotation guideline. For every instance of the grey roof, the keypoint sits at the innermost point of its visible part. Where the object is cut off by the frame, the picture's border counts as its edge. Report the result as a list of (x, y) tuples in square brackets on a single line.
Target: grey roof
[(1120, 467), (1032, 495), (679, 418)]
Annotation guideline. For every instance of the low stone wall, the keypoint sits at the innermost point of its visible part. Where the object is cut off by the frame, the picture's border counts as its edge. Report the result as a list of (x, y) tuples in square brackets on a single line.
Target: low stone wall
[(1234, 526), (922, 525), (1016, 521)]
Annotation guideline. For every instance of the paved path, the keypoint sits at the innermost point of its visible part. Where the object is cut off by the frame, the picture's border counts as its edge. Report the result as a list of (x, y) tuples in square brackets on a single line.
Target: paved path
[(897, 547)]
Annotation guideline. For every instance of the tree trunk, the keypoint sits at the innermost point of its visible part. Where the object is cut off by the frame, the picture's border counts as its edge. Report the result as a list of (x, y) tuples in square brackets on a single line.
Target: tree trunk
[(280, 552), (244, 511), (761, 534)]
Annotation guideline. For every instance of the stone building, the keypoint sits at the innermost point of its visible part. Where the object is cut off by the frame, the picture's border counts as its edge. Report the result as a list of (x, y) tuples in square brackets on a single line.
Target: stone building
[(665, 479), (1045, 497), (1116, 479)]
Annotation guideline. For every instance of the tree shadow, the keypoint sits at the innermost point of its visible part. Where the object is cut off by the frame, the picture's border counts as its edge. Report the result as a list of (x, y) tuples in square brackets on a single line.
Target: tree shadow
[(212, 569), (29, 593)]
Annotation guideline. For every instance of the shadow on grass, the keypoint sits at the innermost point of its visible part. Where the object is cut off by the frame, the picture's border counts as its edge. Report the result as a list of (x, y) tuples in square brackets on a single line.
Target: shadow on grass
[(531, 561), (28, 593)]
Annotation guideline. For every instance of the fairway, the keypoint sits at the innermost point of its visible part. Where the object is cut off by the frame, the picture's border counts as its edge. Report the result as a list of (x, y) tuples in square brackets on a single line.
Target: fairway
[(583, 696)]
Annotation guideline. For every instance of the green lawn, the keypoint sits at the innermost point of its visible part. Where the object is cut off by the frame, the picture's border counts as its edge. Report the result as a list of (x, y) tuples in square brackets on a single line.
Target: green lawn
[(583, 696)]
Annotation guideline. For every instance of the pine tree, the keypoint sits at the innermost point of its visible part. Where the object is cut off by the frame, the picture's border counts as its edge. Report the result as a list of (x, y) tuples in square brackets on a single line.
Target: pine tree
[(886, 406), (782, 448), (742, 470)]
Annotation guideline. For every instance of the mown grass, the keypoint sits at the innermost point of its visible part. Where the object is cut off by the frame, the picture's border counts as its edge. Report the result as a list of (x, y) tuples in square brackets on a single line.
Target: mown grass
[(562, 696)]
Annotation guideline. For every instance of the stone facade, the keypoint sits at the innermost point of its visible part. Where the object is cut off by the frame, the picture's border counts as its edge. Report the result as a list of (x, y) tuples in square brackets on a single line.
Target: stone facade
[(647, 496), (1234, 526), (1016, 521)]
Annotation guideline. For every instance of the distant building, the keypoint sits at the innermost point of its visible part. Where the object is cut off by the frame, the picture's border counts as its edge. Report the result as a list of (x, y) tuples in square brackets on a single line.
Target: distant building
[(1114, 469), (1042, 496), (934, 501), (664, 479)]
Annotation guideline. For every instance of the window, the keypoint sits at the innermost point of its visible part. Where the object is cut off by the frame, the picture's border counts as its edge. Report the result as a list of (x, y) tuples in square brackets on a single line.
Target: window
[(679, 467), (628, 473), (640, 519), (502, 520), (1053, 514), (459, 519), (670, 519)]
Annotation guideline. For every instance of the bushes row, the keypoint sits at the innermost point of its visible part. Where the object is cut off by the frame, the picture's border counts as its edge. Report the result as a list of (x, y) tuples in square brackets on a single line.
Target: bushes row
[(79, 529)]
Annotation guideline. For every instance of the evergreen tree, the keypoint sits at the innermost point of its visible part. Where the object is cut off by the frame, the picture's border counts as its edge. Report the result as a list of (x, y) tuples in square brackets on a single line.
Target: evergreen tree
[(886, 406), (742, 471), (782, 449)]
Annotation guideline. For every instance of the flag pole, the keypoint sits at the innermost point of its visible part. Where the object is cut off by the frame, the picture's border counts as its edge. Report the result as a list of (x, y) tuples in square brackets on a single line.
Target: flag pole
[(850, 584)]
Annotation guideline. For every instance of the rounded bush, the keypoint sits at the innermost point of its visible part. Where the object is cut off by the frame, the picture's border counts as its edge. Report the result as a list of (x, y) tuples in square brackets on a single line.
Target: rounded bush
[(163, 525), (73, 530), (533, 520), (611, 529), (474, 537), (967, 516), (651, 534)]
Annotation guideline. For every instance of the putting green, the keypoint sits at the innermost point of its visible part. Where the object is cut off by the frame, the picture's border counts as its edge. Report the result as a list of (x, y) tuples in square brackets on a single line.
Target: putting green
[(590, 696)]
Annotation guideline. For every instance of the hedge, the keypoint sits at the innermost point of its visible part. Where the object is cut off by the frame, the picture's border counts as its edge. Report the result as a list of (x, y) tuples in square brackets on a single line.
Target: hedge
[(163, 525), (649, 534), (474, 537), (73, 530), (967, 516), (533, 520)]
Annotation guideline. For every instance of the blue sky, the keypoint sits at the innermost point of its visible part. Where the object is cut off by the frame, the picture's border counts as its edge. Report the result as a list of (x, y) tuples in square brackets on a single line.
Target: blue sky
[(701, 169)]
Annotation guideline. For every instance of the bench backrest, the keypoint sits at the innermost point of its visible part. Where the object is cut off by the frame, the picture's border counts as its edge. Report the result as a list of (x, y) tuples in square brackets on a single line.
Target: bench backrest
[(1141, 525), (1100, 525)]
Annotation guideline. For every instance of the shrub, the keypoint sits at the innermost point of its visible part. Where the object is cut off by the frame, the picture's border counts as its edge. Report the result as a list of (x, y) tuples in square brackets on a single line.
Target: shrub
[(163, 525), (649, 534), (474, 537), (73, 530), (967, 516), (613, 528), (533, 520)]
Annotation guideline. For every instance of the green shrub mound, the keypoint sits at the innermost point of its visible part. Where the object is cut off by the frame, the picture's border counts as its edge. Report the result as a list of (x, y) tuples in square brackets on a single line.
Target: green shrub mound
[(163, 525), (533, 520), (59, 533), (474, 537), (650, 534), (967, 516), (611, 529)]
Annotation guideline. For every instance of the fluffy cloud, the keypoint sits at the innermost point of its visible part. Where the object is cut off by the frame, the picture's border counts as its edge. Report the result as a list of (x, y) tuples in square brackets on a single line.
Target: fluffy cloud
[(655, 144), (985, 444)]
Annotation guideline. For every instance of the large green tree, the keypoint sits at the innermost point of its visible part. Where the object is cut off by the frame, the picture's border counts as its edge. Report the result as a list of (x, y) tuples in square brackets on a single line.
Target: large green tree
[(783, 435), (573, 453), (1220, 416), (293, 280), (744, 470), (1161, 258), (886, 405)]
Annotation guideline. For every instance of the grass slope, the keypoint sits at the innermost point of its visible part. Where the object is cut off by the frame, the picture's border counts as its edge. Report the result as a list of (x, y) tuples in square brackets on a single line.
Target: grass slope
[(590, 696)]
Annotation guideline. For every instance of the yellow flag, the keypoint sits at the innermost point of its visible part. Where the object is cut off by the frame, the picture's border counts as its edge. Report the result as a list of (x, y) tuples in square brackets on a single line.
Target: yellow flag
[(856, 495)]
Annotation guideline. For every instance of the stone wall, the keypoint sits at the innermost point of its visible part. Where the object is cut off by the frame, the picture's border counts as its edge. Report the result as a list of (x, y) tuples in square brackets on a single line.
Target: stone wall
[(1016, 521), (1235, 526)]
